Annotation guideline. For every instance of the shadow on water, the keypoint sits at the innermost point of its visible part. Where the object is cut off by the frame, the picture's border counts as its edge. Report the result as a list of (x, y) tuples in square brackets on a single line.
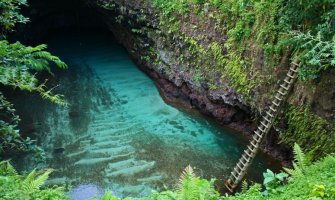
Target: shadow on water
[(118, 133)]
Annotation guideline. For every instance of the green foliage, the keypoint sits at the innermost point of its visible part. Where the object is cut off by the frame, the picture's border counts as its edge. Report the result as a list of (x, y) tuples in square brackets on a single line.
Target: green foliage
[(18, 67), (245, 186), (191, 187), (33, 181), (318, 191), (10, 15), (273, 182), (255, 29), (171, 6), (318, 181), (316, 54), (16, 63), (254, 193), (309, 130), (15, 186)]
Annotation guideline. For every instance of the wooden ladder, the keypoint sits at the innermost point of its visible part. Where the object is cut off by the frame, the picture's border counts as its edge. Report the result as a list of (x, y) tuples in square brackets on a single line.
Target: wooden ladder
[(263, 128)]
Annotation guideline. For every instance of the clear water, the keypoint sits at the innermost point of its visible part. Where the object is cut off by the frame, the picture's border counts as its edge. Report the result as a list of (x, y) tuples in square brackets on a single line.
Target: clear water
[(118, 133)]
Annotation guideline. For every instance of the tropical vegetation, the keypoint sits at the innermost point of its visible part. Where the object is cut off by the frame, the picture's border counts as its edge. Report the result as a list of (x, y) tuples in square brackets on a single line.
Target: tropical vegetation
[(273, 28), (19, 66)]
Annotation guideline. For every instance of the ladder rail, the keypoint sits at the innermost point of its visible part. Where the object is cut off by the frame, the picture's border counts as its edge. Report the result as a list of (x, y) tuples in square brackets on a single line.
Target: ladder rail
[(262, 129)]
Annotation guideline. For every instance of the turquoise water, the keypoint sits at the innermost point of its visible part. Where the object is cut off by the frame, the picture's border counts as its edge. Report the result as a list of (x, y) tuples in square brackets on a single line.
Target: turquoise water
[(118, 133)]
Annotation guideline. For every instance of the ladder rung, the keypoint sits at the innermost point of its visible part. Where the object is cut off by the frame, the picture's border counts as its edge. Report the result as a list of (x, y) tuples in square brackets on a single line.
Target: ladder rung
[(267, 119), (278, 98), (257, 140), (239, 167), (274, 110), (288, 82), (259, 128), (266, 126), (246, 152), (236, 170), (252, 150), (246, 159), (295, 64), (289, 75), (285, 88), (255, 146), (282, 93), (257, 133), (294, 70), (269, 114), (234, 176), (240, 162), (276, 104)]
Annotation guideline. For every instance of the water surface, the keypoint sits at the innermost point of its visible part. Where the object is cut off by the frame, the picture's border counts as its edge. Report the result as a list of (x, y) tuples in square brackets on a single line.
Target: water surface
[(118, 133)]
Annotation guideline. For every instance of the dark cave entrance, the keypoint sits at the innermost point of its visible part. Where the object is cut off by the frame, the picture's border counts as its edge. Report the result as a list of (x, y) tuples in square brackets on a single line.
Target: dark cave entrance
[(47, 17)]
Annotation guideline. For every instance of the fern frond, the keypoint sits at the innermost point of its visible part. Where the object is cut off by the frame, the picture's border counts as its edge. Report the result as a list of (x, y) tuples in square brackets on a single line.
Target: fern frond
[(299, 157), (245, 186), (33, 182), (187, 187), (31, 176), (7, 168), (299, 163), (187, 173)]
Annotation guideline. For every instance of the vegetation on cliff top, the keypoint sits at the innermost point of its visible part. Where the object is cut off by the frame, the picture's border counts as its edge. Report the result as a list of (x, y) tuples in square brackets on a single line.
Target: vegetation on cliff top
[(252, 41), (269, 28)]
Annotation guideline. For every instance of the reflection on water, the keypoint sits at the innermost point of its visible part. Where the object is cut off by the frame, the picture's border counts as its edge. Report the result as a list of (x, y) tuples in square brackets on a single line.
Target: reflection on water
[(118, 133)]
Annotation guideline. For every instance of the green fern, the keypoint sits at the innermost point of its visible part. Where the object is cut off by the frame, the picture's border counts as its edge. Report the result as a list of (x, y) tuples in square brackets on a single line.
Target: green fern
[(245, 186), (7, 169), (299, 164), (186, 186), (16, 186), (35, 180), (299, 157), (191, 187)]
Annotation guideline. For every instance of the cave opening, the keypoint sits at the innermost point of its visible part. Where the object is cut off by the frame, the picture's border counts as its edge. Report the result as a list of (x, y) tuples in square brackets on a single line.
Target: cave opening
[(48, 17)]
